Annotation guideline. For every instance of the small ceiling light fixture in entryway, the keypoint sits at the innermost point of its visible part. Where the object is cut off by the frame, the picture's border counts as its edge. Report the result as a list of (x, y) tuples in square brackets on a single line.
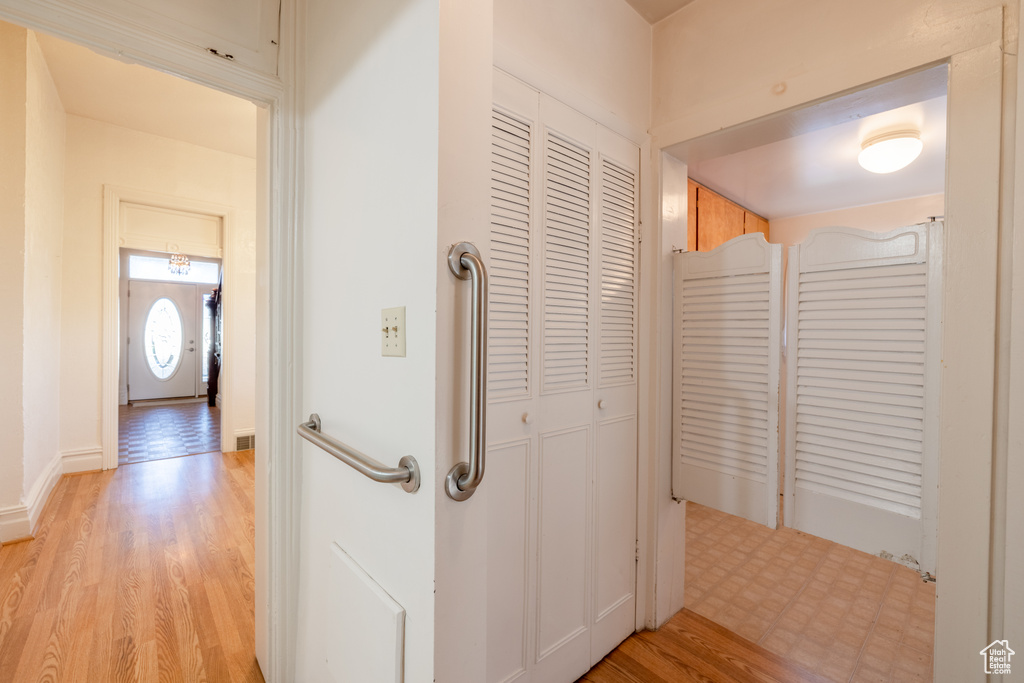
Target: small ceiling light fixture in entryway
[(890, 152), (179, 264)]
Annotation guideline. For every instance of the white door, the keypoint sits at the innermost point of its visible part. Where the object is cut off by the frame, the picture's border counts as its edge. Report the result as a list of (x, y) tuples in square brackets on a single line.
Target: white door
[(862, 396), (726, 345), (562, 389), (163, 344)]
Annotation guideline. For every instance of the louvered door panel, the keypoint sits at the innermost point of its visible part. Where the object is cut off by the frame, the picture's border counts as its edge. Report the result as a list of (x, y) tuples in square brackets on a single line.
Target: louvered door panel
[(508, 351), (727, 342), (617, 363), (567, 223), (861, 319)]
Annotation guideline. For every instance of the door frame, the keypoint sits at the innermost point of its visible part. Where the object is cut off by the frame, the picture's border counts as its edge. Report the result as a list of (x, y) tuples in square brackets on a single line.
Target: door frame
[(974, 186), (278, 308), (113, 241)]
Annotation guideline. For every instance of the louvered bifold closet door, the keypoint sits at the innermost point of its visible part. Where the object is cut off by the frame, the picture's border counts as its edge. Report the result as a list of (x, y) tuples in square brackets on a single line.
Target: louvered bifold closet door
[(863, 325), (728, 312), (562, 370)]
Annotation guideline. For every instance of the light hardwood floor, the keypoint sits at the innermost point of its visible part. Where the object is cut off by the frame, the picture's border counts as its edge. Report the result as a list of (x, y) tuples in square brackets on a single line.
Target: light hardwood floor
[(692, 649), (144, 573)]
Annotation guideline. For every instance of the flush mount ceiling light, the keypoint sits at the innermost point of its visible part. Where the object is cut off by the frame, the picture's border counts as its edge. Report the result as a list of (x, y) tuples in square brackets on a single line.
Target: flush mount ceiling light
[(890, 151)]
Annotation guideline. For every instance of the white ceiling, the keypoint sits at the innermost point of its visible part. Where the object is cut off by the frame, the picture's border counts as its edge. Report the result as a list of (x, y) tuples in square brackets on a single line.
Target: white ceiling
[(818, 171), (656, 10), (136, 97)]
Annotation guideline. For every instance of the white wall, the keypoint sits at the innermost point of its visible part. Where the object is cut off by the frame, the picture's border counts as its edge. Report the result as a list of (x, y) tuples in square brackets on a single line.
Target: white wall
[(724, 63), (370, 232), (44, 227), (13, 50), (98, 154), (874, 217), (594, 55), (32, 146)]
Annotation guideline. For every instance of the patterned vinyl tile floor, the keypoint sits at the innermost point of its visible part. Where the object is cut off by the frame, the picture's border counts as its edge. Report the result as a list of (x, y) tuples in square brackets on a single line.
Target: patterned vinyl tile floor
[(835, 611), (155, 432)]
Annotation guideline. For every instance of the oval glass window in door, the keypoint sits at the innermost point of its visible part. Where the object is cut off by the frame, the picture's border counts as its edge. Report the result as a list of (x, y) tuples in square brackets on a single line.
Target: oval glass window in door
[(163, 338)]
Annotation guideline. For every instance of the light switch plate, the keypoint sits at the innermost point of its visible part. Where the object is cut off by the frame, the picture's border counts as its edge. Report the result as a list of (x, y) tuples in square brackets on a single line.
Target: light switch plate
[(392, 333)]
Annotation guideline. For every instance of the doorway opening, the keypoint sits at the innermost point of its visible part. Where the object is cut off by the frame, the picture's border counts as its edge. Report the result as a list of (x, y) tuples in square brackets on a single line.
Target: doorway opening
[(170, 355), (132, 158), (798, 591)]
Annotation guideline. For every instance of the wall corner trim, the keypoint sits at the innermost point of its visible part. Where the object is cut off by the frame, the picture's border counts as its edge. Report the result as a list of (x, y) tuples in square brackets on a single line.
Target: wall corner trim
[(18, 522)]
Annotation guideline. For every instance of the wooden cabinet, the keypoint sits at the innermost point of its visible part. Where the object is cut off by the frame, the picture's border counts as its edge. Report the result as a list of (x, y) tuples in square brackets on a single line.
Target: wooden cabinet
[(713, 220), (754, 223)]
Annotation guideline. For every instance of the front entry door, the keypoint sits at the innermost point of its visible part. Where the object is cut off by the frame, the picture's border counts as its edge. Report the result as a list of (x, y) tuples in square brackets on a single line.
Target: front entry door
[(162, 340)]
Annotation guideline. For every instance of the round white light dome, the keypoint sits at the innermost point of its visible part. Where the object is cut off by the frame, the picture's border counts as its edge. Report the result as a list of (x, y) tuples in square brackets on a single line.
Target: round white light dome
[(890, 152)]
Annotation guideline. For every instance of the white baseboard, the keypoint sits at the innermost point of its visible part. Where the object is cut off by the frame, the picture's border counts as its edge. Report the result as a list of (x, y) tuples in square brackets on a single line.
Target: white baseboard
[(14, 523), (19, 521), (82, 460)]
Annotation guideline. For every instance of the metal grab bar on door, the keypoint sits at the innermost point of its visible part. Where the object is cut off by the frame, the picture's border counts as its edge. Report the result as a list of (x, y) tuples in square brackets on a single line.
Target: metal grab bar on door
[(465, 262), (407, 473)]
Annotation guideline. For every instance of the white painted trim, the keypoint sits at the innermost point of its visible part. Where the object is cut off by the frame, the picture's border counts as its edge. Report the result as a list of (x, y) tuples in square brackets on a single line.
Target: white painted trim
[(114, 37), (14, 523), (973, 152), (933, 380), (277, 251), (1012, 626), (40, 491), (82, 460), (19, 521), (110, 391), (661, 520)]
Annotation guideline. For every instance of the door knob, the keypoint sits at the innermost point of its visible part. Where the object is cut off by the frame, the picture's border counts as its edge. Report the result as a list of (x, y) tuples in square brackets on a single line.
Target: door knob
[(527, 419), (600, 404)]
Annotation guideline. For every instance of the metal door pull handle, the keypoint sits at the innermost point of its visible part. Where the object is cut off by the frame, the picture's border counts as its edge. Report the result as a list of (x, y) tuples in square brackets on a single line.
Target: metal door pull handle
[(463, 479), (407, 473)]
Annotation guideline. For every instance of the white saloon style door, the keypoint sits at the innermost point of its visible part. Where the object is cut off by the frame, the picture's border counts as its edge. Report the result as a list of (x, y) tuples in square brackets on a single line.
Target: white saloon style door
[(728, 311), (561, 459), (862, 397), (163, 342)]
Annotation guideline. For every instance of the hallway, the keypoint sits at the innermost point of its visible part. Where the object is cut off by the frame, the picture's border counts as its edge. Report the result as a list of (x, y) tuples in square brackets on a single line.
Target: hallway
[(137, 574)]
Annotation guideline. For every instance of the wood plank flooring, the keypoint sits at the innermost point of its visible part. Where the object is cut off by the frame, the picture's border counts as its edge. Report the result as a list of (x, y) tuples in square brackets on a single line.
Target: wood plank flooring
[(144, 573), (691, 649)]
